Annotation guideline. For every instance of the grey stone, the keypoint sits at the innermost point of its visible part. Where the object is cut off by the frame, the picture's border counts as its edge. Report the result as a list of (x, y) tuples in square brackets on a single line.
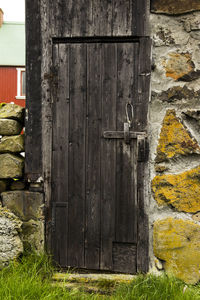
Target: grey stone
[(11, 245), (33, 235), (195, 35), (24, 204), (11, 111), (10, 127), (177, 93), (14, 144), (11, 166)]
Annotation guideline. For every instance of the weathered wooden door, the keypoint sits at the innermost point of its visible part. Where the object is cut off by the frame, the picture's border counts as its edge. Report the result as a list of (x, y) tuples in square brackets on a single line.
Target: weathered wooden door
[(99, 151)]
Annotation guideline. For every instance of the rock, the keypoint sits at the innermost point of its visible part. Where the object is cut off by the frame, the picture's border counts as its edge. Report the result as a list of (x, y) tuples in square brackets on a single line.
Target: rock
[(10, 127), (180, 66), (194, 114), (33, 235), (177, 93), (11, 166), (12, 144), (17, 185), (10, 243), (167, 32), (158, 264), (11, 111), (174, 7), (24, 204), (3, 185), (196, 217), (177, 243), (195, 35), (160, 168), (180, 190), (174, 139)]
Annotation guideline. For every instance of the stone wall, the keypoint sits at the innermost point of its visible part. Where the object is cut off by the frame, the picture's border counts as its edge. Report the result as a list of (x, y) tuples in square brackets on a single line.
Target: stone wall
[(174, 119), (21, 215)]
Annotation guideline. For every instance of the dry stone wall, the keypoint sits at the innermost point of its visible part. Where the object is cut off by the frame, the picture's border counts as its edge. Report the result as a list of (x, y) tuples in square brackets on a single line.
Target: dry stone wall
[(174, 118), (21, 211)]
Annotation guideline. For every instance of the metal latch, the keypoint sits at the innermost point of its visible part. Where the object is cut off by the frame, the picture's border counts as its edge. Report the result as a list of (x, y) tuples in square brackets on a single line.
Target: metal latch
[(142, 148)]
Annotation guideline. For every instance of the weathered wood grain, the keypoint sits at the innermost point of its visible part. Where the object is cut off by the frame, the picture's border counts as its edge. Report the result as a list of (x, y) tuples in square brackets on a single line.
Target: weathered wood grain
[(142, 177), (33, 134), (93, 158), (124, 257), (60, 238), (126, 207), (77, 140), (98, 18), (60, 109), (108, 154)]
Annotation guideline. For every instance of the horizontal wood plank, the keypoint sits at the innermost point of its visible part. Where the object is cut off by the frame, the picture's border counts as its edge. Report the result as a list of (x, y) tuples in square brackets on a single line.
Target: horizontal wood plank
[(120, 134)]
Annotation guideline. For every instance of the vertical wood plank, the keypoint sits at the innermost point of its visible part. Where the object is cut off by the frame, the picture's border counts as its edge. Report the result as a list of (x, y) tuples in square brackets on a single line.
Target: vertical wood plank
[(143, 90), (33, 122), (122, 17), (60, 125), (46, 64), (108, 154), (60, 138), (140, 24), (76, 174), (79, 18), (60, 211), (126, 211), (102, 16), (93, 193)]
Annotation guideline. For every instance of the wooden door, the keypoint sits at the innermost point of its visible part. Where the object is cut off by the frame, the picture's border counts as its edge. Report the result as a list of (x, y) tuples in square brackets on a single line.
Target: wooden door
[(98, 162)]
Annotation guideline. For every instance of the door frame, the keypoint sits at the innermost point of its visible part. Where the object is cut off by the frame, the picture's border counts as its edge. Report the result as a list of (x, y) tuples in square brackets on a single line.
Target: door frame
[(39, 129)]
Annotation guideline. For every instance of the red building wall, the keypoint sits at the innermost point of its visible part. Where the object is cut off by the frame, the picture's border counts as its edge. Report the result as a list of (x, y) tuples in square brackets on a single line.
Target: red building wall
[(8, 86)]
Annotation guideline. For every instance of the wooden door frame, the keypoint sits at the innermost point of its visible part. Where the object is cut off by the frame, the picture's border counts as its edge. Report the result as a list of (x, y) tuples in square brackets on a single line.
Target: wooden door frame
[(38, 141)]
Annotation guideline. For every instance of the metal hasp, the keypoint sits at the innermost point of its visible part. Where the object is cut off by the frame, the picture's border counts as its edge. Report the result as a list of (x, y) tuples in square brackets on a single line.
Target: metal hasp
[(142, 141)]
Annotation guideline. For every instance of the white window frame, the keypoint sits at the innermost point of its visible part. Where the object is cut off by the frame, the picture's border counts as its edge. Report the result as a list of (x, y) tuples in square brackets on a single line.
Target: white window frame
[(19, 78)]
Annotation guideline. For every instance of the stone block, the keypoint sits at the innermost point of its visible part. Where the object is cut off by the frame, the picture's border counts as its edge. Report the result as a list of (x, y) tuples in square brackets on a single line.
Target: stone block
[(178, 190), (11, 245), (11, 166), (180, 66), (167, 32), (10, 127), (174, 7), (11, 111), (174, 139), (33, 235), (24, 204), (177, 243), (12, 144), (176, 93)]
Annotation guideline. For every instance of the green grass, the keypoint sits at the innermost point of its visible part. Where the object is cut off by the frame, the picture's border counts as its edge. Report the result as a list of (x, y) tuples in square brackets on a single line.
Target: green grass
[(30, 279)]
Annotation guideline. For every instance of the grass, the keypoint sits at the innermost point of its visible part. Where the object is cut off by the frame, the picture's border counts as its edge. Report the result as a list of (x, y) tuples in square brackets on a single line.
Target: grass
[(30, 279)]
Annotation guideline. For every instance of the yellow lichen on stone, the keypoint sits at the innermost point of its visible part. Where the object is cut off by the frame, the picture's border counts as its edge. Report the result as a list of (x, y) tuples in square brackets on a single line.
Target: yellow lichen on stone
[(182, 191), (178, 65), (177, 243), (174, 139)]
